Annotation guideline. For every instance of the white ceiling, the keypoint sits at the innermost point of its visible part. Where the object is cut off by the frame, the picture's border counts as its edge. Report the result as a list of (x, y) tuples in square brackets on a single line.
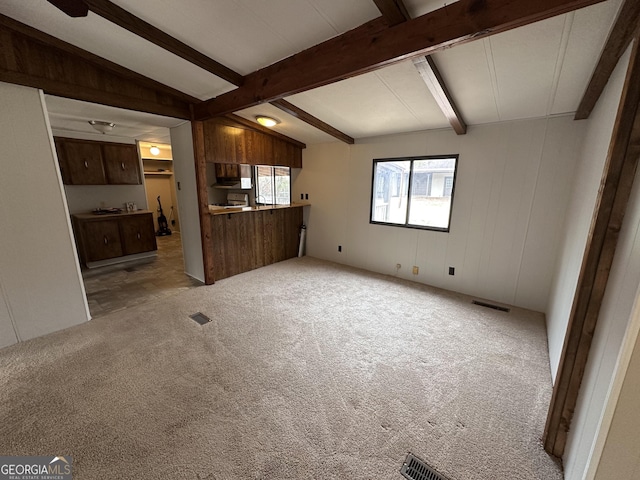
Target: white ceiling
[(537, 70)]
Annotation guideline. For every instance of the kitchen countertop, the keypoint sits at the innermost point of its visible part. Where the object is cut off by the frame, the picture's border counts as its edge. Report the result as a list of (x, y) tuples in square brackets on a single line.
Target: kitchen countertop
[(94, 216), (217, 210)]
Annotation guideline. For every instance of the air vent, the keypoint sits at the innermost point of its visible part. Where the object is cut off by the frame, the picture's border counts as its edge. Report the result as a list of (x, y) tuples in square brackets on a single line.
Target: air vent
[(491, 305), (415, 469), (201, 318)]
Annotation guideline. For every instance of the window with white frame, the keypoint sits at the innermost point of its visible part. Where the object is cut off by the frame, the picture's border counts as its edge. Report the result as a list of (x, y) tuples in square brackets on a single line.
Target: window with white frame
[(414, 192)]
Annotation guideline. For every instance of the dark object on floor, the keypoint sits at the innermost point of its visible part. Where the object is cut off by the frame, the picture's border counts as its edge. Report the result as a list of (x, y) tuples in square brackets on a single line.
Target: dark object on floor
[(201, 318), (163, 226), (415, 469)]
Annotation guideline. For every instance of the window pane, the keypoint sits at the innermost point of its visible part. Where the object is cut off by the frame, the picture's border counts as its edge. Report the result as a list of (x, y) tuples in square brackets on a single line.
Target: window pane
[(390, 191), (283, 185), (431, 191), (264, 185)]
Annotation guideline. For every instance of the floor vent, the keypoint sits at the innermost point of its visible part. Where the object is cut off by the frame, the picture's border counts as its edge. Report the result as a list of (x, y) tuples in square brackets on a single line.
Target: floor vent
[(415, 469), (491, 305), (201, 318)]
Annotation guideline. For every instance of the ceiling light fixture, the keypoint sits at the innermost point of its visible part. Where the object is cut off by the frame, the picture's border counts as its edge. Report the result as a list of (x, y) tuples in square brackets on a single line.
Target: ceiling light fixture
[(267, 121), (154, 150), (102, 127)]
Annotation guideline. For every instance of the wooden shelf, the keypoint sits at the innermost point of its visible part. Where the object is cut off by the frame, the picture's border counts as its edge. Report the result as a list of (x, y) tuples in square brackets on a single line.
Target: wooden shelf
[(159, 173), (157, 159)]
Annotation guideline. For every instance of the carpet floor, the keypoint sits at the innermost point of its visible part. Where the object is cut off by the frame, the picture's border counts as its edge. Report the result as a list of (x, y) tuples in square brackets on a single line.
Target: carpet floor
[(308, 370)]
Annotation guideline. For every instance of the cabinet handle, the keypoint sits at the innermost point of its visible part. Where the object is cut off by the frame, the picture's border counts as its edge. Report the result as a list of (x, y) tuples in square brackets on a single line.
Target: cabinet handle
[(106, 240), (122, 165), (86, 164), (138, 235)]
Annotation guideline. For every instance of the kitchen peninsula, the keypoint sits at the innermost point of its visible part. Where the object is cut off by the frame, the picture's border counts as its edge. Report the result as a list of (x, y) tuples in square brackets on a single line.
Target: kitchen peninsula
[(239, 239)]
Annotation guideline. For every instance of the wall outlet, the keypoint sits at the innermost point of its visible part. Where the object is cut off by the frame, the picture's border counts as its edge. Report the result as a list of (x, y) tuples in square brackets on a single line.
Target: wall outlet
[(339, 248), (415, 270), (302, 196), (306, 196), (452, 270), (398, 266)]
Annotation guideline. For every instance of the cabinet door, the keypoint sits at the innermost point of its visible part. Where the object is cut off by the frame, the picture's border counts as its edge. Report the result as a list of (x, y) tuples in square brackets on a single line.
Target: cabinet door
[(138, 234), (82, 162), (227, 170), (121, 164), (101, 240)]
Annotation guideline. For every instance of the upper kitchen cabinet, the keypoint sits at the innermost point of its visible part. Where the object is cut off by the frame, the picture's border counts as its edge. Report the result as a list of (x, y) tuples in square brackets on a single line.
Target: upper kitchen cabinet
[(80, 162), (229, 144), (121, 164), (224, 144), (85, 162)]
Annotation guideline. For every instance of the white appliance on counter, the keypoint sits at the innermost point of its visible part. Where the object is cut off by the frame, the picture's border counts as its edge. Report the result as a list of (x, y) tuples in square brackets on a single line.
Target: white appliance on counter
[(237, 199)]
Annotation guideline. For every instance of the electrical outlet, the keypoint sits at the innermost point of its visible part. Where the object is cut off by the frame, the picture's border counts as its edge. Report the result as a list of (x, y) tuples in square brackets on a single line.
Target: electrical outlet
[(398, 266), (302, 196), (339, 248), (306, 196), (415, 270), (452, 270)]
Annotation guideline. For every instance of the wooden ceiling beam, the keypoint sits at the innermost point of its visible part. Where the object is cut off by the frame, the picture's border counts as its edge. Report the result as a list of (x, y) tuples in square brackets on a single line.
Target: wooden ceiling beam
[(32, 58), (366, 49), (394, 11), (620, 36), (429, 72), (73, 8), (137, 26), (306, 117)]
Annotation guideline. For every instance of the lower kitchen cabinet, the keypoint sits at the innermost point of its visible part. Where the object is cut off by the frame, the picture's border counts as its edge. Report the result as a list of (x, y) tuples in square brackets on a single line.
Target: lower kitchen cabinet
[(137, 234), (100, 240), (249, 240), (111, 236)]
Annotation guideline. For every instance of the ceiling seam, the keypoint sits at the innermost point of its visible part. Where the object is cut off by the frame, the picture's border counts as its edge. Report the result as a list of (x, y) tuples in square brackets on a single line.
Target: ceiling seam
[(562, 51), (404, 104), (488, 52), (326, 18), (273, 30)]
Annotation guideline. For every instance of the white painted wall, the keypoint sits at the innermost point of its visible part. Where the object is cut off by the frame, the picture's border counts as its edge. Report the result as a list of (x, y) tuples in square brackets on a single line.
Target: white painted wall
[(508, 209), (580, 212), (620, 294), (42, 289), (84, 198), (184, 168)]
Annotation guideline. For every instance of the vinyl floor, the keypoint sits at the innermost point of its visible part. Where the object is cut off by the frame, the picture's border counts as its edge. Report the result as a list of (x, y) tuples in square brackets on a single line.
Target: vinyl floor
[(116, 287)]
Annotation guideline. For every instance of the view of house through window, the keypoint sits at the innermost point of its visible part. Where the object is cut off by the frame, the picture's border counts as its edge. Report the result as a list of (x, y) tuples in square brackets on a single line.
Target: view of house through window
[(273, 185), (414, 192)]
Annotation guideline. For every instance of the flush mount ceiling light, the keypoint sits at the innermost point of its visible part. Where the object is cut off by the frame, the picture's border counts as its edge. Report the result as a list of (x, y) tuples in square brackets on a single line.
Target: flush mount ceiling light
[(102, 127), (154, 150), (266, 121)]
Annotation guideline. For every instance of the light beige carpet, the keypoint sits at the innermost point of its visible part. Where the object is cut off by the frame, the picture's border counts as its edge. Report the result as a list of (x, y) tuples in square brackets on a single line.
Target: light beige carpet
[(309, 370)]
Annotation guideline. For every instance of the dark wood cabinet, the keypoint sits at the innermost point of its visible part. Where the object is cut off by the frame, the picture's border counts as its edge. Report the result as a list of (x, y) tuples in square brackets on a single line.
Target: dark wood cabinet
[(85, 162), (121, 164), (250, 240), (232, 145), (81, 162), (110, 236), (227, 170), (137, 234), (101, 240)]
